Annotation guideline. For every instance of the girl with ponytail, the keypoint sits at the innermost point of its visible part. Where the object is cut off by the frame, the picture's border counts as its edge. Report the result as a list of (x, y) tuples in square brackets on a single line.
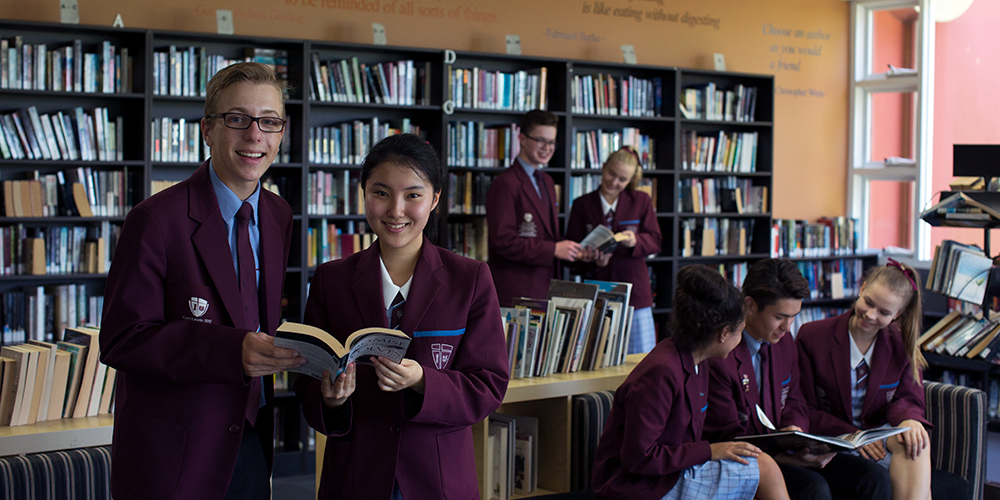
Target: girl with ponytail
[(862, 370)]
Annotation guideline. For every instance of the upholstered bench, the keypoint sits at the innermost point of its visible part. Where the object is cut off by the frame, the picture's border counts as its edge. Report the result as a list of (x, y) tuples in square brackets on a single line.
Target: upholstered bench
[(80, 474), (958, 441)]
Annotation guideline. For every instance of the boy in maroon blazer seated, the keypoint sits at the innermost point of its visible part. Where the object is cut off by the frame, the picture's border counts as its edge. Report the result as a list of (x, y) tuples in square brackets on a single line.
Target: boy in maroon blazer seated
[(192, 299), (522, 216), (763, 371)]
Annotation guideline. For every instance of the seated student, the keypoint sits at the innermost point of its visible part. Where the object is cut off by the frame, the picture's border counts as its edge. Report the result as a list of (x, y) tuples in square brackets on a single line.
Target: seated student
[(405, 430), (764, 370), (652, 446), (619, 206), (861, 370)]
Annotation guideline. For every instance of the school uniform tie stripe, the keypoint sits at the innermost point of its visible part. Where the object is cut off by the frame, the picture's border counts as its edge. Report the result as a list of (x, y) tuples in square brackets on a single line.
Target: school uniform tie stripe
[(396, 310), (861, 373), (609, 218), (248, 294)]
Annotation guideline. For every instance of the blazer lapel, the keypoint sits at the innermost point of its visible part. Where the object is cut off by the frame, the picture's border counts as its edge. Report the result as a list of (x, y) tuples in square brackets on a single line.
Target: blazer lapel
[(840, 358), (528, 191), (367, 286), (692, 389), (424, 289), (271, 255), (751, 394), (210, 242)]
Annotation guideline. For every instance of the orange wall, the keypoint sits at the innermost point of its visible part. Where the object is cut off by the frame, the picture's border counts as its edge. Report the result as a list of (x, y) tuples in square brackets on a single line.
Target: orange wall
[(811, 82), (966, 101)]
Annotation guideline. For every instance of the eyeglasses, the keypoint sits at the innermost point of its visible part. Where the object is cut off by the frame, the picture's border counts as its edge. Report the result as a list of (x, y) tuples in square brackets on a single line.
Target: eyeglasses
[(240, 121), (542, 143)]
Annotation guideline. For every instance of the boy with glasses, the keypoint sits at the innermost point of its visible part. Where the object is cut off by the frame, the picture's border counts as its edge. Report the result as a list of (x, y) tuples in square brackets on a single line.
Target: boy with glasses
[(192, 299), (522, 216)]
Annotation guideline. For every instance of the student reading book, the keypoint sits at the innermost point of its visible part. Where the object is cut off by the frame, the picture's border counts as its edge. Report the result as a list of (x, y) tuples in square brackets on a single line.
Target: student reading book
[(404, 429), (323, 352)]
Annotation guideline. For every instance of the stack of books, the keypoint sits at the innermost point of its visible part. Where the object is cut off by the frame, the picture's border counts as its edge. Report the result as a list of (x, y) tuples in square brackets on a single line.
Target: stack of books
[(960, 271), (964, 335)]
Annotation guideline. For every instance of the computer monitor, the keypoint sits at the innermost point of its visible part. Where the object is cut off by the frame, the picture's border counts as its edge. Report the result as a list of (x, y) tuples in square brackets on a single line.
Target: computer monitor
[(976, 160)]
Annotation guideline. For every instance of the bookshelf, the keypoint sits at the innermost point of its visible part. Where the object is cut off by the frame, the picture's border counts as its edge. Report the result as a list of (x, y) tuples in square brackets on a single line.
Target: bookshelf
[(149, 98)]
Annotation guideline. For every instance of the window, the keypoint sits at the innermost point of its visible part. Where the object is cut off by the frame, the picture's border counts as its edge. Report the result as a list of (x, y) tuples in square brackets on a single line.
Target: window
[(891, 119)]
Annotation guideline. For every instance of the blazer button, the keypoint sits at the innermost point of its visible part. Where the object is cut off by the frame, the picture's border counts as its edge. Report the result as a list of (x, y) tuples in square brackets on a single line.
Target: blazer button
[(233, 429), (394, 429)]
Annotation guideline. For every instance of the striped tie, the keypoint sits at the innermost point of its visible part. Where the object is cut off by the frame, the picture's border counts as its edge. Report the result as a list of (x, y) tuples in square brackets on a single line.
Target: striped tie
[(396, 310), (861, 373)]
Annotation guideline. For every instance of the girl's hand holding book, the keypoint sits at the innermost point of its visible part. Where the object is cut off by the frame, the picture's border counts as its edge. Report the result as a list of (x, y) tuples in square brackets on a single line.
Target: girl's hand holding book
[(393, 377), (336, 391)]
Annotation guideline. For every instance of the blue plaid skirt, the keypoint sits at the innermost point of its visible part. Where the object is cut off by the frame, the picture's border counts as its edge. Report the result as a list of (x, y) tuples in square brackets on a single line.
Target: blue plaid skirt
[(718, 479), (643, 335)]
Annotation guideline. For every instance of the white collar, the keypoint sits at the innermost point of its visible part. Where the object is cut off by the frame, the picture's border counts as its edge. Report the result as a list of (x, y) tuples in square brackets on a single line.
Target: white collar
[(389, 289), (605, 206)]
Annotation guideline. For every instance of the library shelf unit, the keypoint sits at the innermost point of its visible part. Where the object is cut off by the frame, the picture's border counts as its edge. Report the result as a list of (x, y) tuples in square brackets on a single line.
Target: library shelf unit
[(54, 435), (147, 103)]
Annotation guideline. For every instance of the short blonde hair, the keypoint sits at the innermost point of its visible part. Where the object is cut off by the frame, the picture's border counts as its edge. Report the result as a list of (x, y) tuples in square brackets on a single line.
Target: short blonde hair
[(628, 156), (249, 72)]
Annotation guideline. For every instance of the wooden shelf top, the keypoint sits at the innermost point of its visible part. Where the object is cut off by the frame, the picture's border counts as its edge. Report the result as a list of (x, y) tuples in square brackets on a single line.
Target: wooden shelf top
[(569, 384), (53, 435)]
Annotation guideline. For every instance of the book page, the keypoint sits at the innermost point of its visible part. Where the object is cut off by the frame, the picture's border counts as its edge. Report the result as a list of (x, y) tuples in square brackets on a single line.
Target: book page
[(378, 344)]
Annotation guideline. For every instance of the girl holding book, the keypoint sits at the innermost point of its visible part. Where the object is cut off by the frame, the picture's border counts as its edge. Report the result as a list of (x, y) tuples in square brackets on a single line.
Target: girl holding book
[(403, 430), (623, 209), (862, 370), (652, 447)]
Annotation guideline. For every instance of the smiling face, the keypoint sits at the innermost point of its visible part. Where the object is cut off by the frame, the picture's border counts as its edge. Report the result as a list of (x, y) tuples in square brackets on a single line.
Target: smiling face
[(398, 203), (240, 157), (875, 308), (615, 176), (771, 323), (533, 152)]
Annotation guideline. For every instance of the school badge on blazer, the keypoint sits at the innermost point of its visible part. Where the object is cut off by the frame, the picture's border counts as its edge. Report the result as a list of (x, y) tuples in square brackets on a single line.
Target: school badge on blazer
[(441, 353), (198, 305), (527, 228)]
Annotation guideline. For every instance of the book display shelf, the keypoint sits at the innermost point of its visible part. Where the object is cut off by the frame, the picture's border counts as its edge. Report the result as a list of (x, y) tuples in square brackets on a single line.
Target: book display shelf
[(465, 104)]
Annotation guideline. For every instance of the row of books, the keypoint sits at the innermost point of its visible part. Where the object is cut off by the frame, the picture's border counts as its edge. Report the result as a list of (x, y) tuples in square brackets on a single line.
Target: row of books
[(47, 381), (77, 135), (467, 192), (580, 185), (469, 239), (177, 140), (958, 334), (58, 249), (511, 466), (43, 312), (580, 326), (478, 88), (79, 192), (730, 195), (334, 193), (810, 314), (833, 279), (348, 143), (960, 271), (402, 82), (710, 236), (734, 272), (605, 94), (707, 102), (962, 209), (725, 152), (326, 241), (64, 69), (827, 236), (185, 71), (475, 144), (591, 148)]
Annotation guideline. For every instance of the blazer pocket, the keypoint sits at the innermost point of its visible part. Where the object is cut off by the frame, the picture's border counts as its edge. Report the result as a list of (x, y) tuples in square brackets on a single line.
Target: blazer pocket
[(457, 469), (148, 454)]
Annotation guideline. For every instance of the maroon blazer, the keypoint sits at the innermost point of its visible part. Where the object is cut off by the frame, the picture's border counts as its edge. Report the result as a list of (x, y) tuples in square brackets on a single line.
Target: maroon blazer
[(654, 430), (733, 403), (424, 442), (825, 364), (181, 395), (523, 231), (635, 212)]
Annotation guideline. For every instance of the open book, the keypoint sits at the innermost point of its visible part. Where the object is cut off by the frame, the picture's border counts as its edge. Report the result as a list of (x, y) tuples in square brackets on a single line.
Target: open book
[(324, 352), (602, 239), (797, 440)]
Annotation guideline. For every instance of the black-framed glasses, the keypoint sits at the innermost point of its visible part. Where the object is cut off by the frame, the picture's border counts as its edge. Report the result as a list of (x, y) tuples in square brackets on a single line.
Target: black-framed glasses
[(240, 121), (542, 143)]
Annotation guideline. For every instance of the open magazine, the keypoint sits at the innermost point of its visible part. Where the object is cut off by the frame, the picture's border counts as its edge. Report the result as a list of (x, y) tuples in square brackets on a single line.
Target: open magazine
[(797, 440)]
